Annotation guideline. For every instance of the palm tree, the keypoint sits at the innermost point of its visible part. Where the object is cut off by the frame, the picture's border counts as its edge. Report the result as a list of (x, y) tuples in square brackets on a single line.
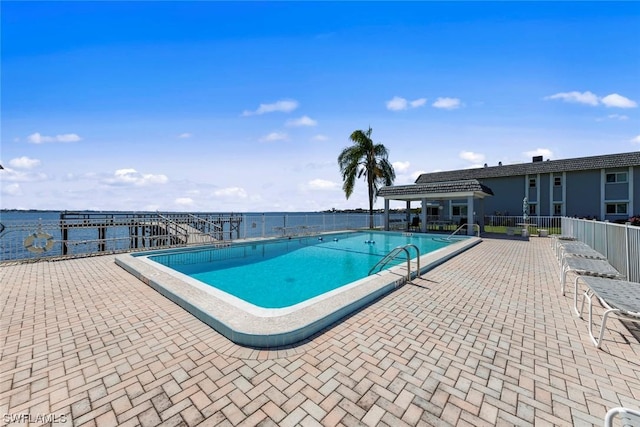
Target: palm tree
[(364, 158)]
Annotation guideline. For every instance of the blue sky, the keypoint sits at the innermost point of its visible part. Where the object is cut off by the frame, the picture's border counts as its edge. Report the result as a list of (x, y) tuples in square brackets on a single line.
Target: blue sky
[(244, 107)]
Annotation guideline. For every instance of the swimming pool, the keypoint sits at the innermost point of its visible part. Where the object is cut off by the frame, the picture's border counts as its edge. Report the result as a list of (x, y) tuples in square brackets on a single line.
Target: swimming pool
[(283, 273), (275, 292)]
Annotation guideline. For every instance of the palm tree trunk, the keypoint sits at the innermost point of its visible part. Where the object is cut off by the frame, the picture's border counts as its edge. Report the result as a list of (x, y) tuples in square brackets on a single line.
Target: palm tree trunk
[(370, 204)]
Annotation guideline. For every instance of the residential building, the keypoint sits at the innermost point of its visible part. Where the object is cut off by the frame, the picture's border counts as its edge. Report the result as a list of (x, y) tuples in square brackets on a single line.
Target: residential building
[(601, 187)]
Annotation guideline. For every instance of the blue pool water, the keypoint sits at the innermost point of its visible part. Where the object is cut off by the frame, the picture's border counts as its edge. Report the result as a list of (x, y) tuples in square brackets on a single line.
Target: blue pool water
[(283, 273)]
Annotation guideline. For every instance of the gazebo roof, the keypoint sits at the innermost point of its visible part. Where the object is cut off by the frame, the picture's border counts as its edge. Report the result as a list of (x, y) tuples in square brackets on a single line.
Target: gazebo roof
[(436, 190)]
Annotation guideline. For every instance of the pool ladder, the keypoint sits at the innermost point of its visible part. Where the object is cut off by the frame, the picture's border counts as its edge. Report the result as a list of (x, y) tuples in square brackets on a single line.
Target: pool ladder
[(394, 254), (464, 226)]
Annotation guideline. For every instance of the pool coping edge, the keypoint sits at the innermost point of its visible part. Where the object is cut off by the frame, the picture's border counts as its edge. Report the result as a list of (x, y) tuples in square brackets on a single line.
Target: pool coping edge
[(252, 330)]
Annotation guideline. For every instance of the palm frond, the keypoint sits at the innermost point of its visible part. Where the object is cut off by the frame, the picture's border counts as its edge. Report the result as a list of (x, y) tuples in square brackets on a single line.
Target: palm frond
[(368, 160)]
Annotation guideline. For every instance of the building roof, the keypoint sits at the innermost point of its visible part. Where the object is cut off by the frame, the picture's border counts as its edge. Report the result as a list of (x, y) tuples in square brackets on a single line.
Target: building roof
[(607, 161), (449, 189)]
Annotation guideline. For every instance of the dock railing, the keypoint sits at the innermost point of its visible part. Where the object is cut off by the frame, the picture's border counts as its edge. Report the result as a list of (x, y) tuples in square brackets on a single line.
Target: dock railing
[(75, 234)]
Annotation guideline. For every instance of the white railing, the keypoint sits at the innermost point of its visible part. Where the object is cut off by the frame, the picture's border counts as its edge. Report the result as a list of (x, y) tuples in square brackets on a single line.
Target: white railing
[(620, 243), (92, 233), (498, 223)]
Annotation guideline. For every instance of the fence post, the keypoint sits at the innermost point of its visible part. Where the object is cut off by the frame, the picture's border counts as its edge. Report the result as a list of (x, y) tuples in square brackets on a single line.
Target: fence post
[(244, 221), (606, 239), (627, 248)]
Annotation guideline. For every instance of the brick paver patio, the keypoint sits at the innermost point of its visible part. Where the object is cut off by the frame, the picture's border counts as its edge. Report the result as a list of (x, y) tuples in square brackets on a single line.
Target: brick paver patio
[(485, 339)]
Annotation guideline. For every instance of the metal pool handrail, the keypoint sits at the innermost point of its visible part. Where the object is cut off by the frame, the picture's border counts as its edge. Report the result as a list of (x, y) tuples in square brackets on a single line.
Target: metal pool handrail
[(463, 226), (394, 253)]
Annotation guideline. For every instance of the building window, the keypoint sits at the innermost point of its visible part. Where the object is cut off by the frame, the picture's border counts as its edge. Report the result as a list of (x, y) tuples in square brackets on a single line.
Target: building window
[(616, 177), (458, 210), (557, 181), (532, 182), (617, 208), (532, 209), (557, 209)]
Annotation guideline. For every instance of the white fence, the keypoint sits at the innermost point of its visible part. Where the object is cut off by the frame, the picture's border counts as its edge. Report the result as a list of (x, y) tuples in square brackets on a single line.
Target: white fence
[(278, 225), (126, 232), (620, 243), (497, 223)]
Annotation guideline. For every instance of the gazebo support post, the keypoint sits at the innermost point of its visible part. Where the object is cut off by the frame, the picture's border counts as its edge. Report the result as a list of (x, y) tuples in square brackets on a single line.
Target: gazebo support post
[(386, 214), (470, 216), (408, 214)]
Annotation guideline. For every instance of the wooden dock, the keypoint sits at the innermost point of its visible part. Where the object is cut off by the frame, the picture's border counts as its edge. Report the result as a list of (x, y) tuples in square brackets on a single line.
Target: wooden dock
[(148, 230)]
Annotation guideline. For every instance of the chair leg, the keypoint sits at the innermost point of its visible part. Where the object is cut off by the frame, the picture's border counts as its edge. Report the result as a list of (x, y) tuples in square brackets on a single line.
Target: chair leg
[(605, 316), (575, 298), (628, 417), (563, 278)]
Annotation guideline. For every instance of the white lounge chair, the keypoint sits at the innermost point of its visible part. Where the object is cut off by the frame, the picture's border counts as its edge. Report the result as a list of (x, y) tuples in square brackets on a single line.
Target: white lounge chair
[(557, 239), (628, 417), (578, 249), (620, 299), (586, 267)]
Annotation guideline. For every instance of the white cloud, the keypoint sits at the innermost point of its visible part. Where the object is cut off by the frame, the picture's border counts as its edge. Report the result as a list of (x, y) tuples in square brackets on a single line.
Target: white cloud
[(184, 201), (275, 136), (587, 97), (322, 184), (24, 162), (80, 177), (544, 152), (401, 167), (37, 138), (619, 117), (284, 106), (133, 177), (302, 121), (398, 103), (619, 101), (471, 156), (13, 175), (416, 174), (402, 173), (185, 135), (447, 103), (636, 140), (231, 192), (320, 138), (12, 190)]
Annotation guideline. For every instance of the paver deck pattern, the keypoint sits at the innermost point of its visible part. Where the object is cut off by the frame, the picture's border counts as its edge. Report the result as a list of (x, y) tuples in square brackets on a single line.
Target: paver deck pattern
[(484, 339)]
